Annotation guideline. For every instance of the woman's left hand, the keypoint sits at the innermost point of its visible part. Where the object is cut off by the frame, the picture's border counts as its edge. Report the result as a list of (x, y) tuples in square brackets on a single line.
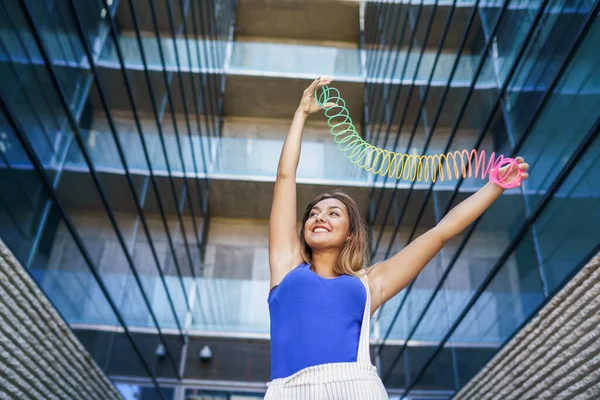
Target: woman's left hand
[(509, 173), (308, 103)]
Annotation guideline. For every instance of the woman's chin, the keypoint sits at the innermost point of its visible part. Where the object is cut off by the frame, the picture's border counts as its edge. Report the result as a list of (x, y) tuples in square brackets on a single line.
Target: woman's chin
[(321, 243)]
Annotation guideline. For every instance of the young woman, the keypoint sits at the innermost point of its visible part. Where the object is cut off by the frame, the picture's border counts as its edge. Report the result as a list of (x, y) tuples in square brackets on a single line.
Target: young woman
[(322, 296)]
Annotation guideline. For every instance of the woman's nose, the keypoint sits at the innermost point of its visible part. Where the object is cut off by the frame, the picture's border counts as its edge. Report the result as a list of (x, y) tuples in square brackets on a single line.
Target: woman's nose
[(320, 217)]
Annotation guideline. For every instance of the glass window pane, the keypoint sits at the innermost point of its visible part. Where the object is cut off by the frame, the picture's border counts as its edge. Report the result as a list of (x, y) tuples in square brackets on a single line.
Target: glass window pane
[(567, 231)]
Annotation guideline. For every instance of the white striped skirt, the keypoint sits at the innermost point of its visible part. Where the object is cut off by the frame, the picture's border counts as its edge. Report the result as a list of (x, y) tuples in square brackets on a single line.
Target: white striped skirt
[(335, 381)]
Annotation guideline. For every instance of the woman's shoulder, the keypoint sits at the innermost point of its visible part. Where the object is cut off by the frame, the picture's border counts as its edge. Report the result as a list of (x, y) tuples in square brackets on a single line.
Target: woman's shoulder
[(366, 271)]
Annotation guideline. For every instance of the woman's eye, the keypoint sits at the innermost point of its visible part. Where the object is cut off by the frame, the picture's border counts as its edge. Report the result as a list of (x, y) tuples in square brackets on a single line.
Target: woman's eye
[(335, 213)]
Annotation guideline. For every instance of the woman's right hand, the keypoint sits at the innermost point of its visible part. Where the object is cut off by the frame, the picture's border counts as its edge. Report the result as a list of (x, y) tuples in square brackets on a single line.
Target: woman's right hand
[(308, 103)]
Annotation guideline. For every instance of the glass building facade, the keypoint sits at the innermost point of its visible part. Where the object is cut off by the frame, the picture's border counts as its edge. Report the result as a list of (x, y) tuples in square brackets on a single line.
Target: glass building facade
[(139, 141)]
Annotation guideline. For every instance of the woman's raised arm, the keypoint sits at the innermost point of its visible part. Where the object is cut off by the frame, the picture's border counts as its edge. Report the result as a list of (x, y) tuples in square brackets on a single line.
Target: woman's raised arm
[(284, 244), (392, 275)]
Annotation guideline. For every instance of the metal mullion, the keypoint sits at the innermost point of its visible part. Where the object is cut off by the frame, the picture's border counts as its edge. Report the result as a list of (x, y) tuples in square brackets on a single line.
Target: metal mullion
[(461, 112), (505, 87), (162, 140), (580, 214), (422, 106), (369, 35), (363, 67), (63, 22), (566, 111), (95, 178), (202, 77), (379, 100), (225, 52), (226, 29), (546, 143), (211, 20), (382, 46), (186, 115), (377, 9), (554, 53), (57, 35), (30, 59), (198, 125), (138, 203), (379, 35), (370, 21), (195, 97), (113, 31), (220, 57), (194, 287), (73, 231), (164, 148), (581, 150), (136, 229), (370, 29), (412, 86), (205, 227), (28, 98), (375, 97), (209, 79), (436, 118), (482, 135), (216, 48)]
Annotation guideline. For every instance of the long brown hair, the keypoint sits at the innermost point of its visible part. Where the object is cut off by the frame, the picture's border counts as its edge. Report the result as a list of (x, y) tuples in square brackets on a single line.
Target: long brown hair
[(356, 251)]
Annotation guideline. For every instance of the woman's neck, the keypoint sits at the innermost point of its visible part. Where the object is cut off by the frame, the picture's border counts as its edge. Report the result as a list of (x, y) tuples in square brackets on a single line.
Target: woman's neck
[(323, 263)]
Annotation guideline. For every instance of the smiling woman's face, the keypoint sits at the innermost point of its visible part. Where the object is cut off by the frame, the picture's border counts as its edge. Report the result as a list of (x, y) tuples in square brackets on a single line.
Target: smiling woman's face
[(328, 225)]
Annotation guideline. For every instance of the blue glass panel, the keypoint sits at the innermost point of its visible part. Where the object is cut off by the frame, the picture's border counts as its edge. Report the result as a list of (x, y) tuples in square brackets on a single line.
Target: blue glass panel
[(136, 391), (555, 137), (507, 302), (567, 231), (217, 310)]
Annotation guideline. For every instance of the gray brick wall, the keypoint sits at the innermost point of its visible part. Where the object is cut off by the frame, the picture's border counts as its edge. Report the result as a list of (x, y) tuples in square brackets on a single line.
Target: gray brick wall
[(556, 356), (40, 358)]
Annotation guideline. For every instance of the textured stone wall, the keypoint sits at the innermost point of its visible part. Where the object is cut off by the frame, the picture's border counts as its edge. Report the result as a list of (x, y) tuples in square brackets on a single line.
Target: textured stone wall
[(40, 358), (556, 356)]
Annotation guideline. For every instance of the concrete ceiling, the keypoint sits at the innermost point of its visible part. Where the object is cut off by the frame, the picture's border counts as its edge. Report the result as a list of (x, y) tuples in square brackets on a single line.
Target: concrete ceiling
[(229, 198), (245, 95), (482, 99), (305, 20), (270, 97), (144, 16), (455, 33)]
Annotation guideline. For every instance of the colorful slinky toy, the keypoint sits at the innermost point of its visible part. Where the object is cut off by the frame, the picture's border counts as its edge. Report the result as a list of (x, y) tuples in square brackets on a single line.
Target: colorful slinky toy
[(410, 167)]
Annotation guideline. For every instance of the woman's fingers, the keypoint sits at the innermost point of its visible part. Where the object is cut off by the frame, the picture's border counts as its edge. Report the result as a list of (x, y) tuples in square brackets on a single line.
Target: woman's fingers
[(323, 83), (313, 85), (523, 166), (317, 83)]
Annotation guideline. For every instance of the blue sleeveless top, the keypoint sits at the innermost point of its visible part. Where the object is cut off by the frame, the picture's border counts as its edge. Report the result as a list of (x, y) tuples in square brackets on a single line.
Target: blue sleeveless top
[(314, 320)]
